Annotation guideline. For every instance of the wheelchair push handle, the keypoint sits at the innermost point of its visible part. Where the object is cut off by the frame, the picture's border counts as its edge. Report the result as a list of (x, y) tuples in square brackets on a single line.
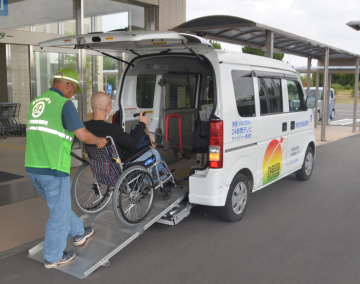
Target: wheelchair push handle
[(138, 114)]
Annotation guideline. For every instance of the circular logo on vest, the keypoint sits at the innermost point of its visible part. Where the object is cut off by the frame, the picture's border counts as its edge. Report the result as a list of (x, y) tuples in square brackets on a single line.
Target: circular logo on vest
[(38, 109)]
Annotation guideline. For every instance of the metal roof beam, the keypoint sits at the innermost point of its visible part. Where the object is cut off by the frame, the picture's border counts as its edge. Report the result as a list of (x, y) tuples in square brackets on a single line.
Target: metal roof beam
[(245, 33), (223, 32), (252, 38)]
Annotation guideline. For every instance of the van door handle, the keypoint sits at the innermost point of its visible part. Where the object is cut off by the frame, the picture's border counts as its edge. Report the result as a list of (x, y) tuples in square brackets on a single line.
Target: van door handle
[(292, 125), (284, 126)]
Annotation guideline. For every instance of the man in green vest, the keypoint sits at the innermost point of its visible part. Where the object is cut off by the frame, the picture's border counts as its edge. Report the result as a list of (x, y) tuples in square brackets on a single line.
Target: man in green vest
[(51, 125)]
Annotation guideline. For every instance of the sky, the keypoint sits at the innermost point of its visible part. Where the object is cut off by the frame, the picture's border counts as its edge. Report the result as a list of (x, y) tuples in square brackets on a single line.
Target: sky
[(320, 20)]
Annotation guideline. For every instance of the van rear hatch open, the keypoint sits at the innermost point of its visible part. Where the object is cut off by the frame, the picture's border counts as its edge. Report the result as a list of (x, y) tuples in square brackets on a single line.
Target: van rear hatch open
[(141, 43)]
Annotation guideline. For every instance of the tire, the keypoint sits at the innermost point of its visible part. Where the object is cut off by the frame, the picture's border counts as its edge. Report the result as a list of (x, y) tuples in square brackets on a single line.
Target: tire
[(319, 116), (85, 192), (134, 195), (236, 201), (308, 165), (332, 114)]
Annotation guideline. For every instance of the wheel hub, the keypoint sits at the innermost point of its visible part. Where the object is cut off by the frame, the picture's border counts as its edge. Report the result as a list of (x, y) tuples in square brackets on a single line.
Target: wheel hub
[(134, 197), (239, 198)]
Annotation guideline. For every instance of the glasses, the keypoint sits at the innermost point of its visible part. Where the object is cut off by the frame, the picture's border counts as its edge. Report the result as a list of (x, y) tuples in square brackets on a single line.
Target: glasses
[(73, 85)]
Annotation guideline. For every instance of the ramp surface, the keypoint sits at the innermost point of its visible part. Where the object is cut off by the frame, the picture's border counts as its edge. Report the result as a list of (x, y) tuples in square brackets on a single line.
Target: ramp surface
[(110, 236)]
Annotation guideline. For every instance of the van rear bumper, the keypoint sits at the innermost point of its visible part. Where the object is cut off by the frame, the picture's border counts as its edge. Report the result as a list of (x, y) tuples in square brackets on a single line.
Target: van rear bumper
[(205, 188)]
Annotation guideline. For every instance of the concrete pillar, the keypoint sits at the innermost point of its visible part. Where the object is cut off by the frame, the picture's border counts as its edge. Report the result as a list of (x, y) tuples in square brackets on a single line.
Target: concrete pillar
[(356, 93), (82, 108), (316, 100), (325, 97), (269, 44)]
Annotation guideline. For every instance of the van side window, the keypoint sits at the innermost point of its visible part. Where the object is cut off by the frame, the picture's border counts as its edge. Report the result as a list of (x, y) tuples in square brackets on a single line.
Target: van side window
[(270, 96), (181, 97), (296, 96), (244, 92), (145, 88)]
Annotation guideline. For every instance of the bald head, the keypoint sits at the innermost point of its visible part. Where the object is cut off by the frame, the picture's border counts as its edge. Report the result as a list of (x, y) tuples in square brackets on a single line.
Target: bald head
[(101, 105), (100, 101)]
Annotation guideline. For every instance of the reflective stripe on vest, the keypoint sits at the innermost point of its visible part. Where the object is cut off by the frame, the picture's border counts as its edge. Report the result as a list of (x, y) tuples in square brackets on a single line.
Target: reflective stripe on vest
[(48, 130)]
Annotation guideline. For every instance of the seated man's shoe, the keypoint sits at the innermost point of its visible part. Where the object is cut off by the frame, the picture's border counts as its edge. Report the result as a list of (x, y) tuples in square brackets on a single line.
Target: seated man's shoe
[(67, 257), (79, 240)]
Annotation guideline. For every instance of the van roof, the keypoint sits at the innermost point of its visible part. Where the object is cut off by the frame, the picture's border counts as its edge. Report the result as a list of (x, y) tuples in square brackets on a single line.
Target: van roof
[(253, 60)]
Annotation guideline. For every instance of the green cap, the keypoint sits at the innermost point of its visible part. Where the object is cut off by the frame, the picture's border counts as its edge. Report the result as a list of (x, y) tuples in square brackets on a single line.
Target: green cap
[(70, 75)]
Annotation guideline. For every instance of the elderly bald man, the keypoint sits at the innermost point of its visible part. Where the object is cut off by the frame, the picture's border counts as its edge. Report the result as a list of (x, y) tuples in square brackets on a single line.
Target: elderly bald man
[(101, 105)]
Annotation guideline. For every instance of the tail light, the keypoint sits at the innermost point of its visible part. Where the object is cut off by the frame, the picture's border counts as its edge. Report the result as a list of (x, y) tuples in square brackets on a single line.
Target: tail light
[(216, 144)]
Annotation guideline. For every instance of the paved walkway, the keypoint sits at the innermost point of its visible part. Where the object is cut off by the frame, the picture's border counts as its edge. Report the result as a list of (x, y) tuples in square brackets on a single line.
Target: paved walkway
[(23, 220)]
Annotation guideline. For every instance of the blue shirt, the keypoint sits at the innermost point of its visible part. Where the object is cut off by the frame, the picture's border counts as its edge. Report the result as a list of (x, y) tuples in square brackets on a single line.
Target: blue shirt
[(71, 121)]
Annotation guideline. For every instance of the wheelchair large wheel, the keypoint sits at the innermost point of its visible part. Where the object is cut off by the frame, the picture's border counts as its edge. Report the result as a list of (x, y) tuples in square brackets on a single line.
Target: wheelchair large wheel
[(133, 196), (87, 195)]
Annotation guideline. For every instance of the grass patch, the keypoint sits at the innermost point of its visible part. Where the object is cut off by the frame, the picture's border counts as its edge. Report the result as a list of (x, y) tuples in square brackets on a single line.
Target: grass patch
[(345, 97)]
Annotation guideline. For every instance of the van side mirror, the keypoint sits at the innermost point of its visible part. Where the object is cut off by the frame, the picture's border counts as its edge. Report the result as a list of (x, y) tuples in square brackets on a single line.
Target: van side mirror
[(310, 102)]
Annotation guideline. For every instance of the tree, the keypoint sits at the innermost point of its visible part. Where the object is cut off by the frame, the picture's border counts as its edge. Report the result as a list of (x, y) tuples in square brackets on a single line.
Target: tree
[(216, 44), (257, 51)]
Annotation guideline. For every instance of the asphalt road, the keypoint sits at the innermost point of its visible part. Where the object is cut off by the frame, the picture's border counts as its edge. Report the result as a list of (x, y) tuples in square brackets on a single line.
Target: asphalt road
[(344, 115), (293, 232)]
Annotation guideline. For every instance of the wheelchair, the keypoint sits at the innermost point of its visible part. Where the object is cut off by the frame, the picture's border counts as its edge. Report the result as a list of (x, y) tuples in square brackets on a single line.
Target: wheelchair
[(129, 184)]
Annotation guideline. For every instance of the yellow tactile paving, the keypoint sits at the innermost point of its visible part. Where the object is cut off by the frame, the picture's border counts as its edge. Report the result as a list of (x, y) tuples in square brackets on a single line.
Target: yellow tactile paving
[(13, 147)]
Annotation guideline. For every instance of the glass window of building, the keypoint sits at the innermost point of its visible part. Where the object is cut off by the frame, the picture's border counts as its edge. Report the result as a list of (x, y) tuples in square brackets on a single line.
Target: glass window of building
[(111, 15), (46, 66), (44, 16)]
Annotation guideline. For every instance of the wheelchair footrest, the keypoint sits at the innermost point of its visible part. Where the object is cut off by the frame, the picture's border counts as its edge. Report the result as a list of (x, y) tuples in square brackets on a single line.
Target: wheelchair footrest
[(176, 214)]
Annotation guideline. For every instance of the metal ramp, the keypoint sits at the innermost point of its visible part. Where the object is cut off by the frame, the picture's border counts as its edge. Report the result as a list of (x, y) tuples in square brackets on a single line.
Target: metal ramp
[(110, 236)]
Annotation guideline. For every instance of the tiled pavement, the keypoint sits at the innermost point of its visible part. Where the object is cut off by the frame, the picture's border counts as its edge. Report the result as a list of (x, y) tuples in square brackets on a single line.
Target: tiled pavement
[(23, 214)]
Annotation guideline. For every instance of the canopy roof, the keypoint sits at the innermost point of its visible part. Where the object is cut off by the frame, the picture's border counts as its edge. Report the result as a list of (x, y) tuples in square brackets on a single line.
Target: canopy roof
[(354, 24), (332, 69), (244, 32)]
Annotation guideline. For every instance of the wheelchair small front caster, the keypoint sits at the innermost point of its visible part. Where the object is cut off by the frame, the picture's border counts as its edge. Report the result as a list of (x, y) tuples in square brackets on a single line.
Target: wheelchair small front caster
[(166, 192)]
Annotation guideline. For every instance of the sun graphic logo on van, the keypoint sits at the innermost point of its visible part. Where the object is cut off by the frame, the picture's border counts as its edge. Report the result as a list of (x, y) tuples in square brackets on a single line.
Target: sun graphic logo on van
[(272, 163)]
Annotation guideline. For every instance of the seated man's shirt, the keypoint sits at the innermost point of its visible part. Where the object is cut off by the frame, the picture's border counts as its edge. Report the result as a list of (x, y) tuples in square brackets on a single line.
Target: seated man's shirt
[(102, 128)]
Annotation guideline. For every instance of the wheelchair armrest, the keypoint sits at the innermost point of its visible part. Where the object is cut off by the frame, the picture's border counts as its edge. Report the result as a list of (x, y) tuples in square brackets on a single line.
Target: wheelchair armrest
[(135, 155)]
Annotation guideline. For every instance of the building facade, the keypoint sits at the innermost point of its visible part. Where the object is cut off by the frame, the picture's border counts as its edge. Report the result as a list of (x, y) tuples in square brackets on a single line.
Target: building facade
[(26, 71)]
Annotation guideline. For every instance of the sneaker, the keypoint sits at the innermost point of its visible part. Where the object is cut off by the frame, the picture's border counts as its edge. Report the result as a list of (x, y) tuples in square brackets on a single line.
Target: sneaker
[(67, 257), (79, 240)]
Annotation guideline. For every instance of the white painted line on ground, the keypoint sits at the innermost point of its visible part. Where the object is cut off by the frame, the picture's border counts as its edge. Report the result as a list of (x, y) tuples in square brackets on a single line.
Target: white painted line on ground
[(350, 122), (345, 121)]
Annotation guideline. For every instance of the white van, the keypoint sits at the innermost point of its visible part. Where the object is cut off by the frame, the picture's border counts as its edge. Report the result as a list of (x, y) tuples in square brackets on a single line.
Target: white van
[(245, 119), (332, 99)]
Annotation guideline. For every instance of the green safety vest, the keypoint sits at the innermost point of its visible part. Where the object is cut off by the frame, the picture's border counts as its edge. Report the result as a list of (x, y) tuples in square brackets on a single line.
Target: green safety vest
[(48, 143)]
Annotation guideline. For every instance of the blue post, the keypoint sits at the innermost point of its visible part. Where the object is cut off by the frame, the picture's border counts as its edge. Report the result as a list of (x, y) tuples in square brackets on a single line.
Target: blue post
[(329, 107)]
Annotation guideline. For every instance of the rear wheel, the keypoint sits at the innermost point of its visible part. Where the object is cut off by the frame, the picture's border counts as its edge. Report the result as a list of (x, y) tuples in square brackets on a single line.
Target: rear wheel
[(308, 165), (133, 196), (89, 196), (236, 201)]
